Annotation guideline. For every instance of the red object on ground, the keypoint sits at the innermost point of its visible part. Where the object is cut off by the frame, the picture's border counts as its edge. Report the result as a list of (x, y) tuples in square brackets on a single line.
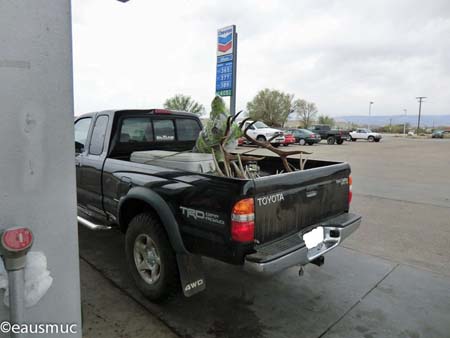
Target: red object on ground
[(241, 141)]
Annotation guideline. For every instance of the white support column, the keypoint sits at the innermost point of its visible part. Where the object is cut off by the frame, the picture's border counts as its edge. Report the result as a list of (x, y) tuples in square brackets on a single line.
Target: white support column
[(37, 171)]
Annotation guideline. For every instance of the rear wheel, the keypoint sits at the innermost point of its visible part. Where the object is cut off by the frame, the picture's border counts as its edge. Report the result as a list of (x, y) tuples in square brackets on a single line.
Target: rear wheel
[(331, 140), (261, 138), (150, 258), (310, 143), (377, 140), (371, 138), (302, 142), (340, 141)]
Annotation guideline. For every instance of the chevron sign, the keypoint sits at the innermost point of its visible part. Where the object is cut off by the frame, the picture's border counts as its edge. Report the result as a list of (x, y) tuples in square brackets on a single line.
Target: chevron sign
[(226, 61), (225, 41)]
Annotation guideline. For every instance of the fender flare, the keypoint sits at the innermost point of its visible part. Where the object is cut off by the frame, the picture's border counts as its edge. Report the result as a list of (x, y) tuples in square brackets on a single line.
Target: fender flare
[(163, 211)]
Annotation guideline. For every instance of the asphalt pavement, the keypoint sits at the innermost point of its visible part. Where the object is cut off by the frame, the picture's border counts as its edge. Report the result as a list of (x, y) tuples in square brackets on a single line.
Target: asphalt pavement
[(390, 279)]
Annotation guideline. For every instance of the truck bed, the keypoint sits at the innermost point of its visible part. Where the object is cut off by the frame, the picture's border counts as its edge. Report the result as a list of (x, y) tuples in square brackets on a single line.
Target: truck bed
[(285, 203)]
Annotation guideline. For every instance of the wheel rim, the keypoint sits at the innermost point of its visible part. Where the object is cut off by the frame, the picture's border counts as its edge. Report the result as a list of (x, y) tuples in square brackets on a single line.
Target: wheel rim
[(302, 142), (147, 259)]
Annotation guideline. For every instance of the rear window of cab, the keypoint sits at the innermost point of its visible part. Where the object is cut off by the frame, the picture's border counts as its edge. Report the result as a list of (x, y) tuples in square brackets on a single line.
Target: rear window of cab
[(148, 129)]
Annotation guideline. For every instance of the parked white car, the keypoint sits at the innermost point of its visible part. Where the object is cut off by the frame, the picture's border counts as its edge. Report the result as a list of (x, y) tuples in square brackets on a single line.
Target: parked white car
[(365, 134), (262, 132)]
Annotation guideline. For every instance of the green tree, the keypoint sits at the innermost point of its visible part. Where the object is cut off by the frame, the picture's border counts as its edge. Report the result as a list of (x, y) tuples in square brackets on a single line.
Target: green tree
[(306, 111), (325, 119), (184, 103), (271, 106)]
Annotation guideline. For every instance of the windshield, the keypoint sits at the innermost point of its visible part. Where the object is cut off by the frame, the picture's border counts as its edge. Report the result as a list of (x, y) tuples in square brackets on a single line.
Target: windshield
[(260, 124)]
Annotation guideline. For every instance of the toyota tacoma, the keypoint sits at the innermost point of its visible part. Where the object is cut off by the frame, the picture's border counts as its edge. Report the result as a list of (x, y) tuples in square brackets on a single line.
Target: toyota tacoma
[(136, 171)]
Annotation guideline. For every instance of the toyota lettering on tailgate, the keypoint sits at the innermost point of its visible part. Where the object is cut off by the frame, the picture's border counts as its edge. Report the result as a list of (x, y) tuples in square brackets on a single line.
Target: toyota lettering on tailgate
[(270, 199)]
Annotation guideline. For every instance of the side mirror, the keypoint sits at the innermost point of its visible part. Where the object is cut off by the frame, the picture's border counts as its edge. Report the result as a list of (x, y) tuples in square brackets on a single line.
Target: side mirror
[(79, 147)]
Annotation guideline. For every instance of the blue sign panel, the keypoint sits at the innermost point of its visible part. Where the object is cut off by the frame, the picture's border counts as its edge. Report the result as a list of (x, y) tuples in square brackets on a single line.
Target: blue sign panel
[(224, 78)]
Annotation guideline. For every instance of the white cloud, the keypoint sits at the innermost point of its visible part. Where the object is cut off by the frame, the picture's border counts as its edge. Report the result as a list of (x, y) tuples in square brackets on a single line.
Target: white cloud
[(339, 54)]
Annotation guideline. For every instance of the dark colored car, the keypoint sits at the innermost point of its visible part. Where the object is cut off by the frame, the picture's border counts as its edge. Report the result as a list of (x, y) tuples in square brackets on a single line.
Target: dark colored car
[(304, 136), (136, 171), (331, 135)]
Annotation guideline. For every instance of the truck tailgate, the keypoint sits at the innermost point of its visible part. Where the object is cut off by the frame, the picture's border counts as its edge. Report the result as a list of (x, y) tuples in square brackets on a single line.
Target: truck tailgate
[(290, 202)]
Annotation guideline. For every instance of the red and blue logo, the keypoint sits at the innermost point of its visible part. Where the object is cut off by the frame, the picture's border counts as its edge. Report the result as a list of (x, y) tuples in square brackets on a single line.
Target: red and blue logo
[(225, 43)]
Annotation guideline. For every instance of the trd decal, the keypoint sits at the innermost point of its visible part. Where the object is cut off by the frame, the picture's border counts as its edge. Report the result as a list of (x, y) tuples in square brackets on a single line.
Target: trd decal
[(201, 215)]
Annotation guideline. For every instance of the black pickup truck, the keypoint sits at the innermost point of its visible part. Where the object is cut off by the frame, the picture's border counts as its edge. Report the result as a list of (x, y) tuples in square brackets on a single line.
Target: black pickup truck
[(136, 171), (331, 135)]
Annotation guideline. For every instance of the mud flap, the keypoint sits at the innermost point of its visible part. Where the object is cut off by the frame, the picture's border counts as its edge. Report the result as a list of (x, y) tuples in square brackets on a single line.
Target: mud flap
[(191, 274)]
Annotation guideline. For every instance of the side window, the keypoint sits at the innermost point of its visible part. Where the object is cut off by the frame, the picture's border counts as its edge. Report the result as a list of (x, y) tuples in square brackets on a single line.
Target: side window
[(187, 129), (81, 133), (98, 135), (164, 130), (136, 129)]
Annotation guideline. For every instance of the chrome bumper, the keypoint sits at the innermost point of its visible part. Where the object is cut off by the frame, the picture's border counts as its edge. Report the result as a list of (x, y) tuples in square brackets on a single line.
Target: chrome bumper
[(335, 231)]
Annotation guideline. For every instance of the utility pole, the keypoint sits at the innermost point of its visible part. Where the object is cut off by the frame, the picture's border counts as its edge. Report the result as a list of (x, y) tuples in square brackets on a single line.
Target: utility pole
[(420, 98), (404, 122), (370, 110)]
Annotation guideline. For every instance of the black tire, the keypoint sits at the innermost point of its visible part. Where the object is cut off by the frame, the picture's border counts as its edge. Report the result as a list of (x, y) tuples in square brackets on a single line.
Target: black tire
[(331, 140), (276, 145), (340, 141), (144, 226), (261, 138), (371, 138), (285, 144), (377, 140), (353, 139), (310, 143)]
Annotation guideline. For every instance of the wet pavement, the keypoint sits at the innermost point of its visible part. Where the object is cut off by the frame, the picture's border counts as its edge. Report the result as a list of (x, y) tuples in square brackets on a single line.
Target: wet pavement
[(389, 279), (351, 295)]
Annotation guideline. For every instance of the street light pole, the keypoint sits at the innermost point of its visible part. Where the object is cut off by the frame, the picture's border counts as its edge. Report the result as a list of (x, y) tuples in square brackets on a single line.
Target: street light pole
[(420, 98), (404, 122), (370, 110)]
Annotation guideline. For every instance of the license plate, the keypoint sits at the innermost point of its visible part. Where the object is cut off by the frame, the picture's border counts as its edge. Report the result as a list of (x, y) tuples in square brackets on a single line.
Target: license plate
[(313, 238)]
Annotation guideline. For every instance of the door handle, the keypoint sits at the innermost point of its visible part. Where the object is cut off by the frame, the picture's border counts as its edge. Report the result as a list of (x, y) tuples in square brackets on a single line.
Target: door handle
[(311, 193), (126, 179)]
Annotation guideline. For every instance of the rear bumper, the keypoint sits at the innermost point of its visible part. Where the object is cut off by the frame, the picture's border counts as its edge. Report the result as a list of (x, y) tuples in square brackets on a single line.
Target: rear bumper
[(313, 140), (268, 260)]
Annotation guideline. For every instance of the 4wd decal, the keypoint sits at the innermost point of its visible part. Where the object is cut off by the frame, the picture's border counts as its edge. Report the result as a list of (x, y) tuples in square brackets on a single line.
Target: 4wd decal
[(270, 199), (202, 215), (193, 285)]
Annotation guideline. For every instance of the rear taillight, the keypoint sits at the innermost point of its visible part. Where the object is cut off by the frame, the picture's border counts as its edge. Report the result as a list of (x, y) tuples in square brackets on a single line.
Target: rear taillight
[(350, 193), (243, 221)]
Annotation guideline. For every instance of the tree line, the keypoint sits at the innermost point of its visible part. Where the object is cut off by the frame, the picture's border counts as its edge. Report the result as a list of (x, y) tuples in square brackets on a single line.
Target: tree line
[(273, 107)]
